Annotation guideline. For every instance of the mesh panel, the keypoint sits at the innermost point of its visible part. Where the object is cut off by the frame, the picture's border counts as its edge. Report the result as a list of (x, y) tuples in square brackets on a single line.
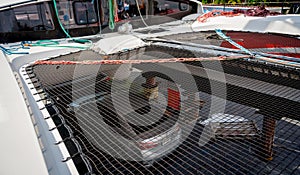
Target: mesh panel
[(257, 132)]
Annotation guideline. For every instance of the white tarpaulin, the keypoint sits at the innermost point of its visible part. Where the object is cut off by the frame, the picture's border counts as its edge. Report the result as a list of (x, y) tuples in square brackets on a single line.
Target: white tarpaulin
[(121, 43)]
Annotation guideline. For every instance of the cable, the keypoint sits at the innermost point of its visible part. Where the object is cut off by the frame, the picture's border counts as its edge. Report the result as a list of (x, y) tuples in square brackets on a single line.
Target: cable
[(59, 22), (11, 51), (63, 29), (294, 62), (98, 15), (142, 18), (54, 43)]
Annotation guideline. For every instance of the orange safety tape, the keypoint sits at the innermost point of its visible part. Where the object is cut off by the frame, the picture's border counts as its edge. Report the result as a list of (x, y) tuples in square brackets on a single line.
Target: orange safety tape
[(168, 60)]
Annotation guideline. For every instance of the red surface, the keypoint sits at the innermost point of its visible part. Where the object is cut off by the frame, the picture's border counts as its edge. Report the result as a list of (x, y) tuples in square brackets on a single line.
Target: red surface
[(260, 40), (174, 99)]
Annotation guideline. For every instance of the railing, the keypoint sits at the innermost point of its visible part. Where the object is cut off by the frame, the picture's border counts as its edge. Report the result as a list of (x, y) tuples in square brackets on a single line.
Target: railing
[(285, 6)]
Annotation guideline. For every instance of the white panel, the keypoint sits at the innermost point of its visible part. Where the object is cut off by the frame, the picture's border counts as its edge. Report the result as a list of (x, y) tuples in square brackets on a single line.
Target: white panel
[(19, 149)]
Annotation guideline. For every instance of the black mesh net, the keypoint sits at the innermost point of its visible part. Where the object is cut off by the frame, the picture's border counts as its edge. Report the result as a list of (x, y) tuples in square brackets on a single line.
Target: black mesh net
[(155, 122)]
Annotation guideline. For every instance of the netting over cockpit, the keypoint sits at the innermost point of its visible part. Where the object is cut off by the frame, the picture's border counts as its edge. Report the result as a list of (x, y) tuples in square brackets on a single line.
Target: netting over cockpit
[(217, 117)]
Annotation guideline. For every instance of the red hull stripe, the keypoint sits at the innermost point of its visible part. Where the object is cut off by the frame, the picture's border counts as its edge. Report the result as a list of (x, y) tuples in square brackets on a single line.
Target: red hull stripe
[(261, 40)]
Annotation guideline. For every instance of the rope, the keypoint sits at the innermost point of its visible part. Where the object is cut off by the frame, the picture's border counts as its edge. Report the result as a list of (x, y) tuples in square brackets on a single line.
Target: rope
[(59, 22), (42, 43), (111, 23), (98, 15), (63, 29), (279, 61), (203, 18), (11, 51), (48, 43), (139, 10), (170, 60), (52, 43), (228, 39)]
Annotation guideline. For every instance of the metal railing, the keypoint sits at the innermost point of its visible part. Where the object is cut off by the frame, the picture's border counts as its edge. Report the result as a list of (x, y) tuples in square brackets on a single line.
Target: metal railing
[(286, 6)]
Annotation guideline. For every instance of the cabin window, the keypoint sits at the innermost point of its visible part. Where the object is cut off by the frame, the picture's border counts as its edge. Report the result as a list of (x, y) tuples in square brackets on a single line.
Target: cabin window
[(164, 7), (28, 18), (85, 13)]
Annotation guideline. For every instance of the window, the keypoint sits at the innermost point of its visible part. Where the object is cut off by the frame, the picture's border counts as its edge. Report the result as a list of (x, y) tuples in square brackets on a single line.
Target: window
[(85, 13), (28, 18), (163, 7)]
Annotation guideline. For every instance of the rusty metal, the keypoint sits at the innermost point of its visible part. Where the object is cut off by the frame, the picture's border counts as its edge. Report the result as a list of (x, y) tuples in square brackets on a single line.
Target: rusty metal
[(150, 87), (267, 139)]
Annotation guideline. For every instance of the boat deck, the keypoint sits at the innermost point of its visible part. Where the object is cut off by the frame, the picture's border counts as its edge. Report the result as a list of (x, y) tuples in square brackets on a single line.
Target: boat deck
[(200, 152)]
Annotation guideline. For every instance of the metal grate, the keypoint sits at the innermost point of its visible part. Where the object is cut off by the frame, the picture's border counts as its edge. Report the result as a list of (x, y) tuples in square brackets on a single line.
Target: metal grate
[(216, 136)]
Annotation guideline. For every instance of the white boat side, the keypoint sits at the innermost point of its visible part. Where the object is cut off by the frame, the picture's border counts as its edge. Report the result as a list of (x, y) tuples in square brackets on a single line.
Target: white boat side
[(39, 153), (20, 149), (281, 24)]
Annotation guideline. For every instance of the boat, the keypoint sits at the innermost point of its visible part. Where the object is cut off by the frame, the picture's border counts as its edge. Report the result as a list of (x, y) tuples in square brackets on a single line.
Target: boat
[(147, 87)]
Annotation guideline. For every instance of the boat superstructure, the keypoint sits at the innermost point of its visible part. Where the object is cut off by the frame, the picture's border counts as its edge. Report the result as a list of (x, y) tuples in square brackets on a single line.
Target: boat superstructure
[(44, 19)]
